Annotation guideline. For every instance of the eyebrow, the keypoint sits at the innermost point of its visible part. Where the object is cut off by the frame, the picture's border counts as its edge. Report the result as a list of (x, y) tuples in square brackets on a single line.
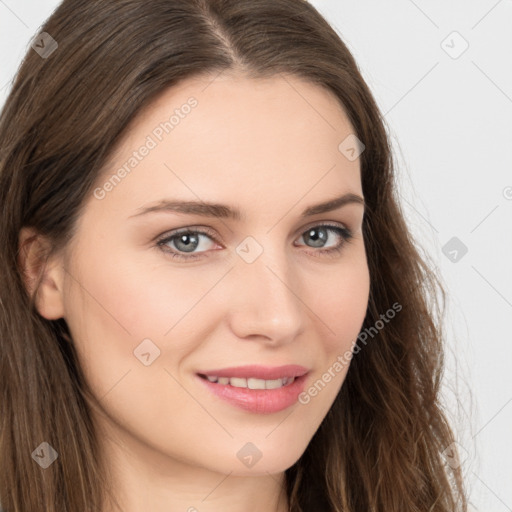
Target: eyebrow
[(223, 211)]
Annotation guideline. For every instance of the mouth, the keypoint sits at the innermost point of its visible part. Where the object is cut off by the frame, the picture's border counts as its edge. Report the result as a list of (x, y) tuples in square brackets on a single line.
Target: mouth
[(256, 389)]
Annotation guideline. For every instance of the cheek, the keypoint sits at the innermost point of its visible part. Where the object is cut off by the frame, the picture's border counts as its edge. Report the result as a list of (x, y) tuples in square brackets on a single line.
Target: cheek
[(133, 299), (116, 303), (341, 302), (341, 307)]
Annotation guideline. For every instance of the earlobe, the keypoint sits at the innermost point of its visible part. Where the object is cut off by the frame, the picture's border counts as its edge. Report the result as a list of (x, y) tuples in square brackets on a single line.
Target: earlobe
[(32, 258)]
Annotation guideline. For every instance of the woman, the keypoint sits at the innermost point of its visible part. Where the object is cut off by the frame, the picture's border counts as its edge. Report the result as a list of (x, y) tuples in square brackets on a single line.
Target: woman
[(211, 299)]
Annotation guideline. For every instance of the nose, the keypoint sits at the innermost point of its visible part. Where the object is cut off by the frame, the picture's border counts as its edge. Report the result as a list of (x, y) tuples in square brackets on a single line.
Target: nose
[(265, 298)]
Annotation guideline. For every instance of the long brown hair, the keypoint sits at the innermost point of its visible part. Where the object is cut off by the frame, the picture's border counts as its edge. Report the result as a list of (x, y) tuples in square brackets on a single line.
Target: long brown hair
[(380, 447)]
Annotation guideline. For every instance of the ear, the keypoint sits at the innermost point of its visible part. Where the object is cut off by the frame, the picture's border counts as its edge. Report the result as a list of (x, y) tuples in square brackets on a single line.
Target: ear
[(32, 255)]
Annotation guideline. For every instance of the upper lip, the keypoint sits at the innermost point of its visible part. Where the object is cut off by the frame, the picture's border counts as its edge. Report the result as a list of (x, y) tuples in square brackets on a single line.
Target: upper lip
[(258, 372)]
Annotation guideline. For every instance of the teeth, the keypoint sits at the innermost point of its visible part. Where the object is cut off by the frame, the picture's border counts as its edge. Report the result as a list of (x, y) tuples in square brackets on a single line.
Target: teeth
[(238, 382), (273, 384), (251, 383), (256, 384)]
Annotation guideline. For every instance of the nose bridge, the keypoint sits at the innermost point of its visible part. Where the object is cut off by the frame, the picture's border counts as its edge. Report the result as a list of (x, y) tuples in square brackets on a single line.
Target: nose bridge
[(267, 300)]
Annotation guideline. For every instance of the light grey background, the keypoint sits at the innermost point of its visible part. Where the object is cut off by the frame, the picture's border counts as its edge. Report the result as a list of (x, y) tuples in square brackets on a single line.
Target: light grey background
[(449, 114)]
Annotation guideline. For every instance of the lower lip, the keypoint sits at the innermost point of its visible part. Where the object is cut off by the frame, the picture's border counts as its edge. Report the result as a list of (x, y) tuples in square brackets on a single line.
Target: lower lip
[(261, 401)]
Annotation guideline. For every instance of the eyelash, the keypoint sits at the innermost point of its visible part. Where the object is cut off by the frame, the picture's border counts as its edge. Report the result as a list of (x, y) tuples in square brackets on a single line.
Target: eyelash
[(344, 233)]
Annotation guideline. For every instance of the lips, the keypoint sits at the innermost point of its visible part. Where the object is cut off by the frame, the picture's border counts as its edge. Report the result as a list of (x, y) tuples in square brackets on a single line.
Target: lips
[(256, 388), (260, 401)]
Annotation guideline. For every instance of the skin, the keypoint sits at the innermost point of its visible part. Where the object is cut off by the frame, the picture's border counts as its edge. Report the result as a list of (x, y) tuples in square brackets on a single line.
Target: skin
[(271, 150)]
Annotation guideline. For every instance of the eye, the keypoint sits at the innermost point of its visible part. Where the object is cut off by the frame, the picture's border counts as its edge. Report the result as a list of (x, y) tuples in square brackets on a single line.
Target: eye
[(318, 235), (187, 240)]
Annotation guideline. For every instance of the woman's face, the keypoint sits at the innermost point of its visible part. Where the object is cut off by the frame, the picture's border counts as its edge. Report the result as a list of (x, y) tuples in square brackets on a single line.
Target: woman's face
[(267, 288)]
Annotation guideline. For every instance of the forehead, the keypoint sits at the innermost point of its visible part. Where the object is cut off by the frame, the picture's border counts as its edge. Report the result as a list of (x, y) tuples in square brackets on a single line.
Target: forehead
[(214, 138)]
